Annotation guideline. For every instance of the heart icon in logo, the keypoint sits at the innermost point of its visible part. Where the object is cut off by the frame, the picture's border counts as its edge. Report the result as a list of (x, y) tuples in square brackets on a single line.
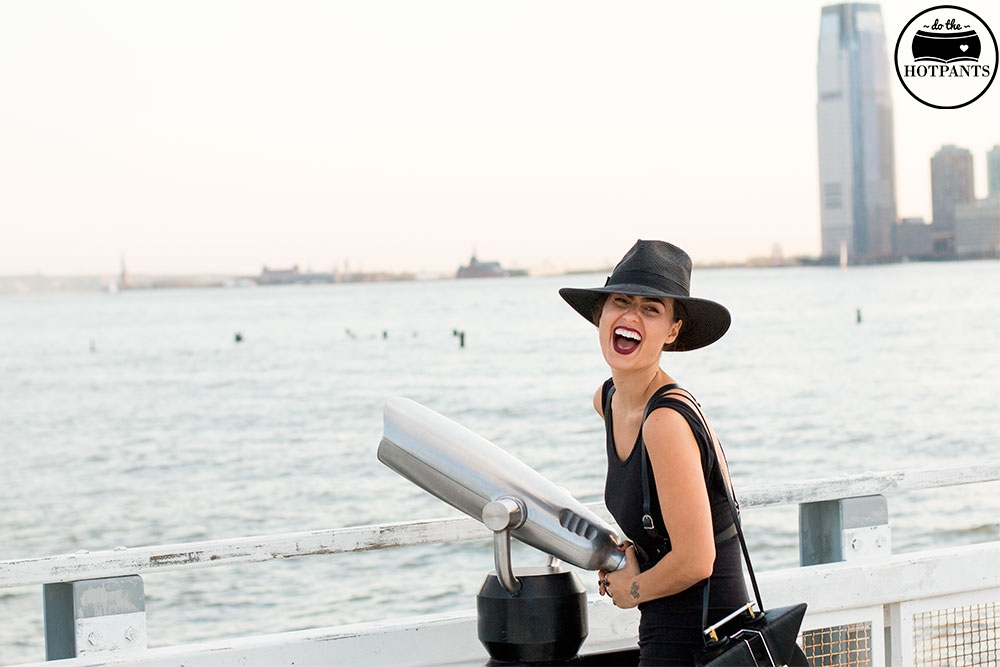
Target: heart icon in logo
[(964, 47)]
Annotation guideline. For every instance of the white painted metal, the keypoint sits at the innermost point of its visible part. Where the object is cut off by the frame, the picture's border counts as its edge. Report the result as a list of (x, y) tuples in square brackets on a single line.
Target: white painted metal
[(867, 484), (901, 577), (838, 593), (112, 636), (214, 553), (142, 560), (93, 616), (867, 542), (846, 529)]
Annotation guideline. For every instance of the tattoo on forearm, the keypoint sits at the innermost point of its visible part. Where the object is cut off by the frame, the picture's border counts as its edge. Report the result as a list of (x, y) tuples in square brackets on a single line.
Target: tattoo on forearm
[(635, 590)]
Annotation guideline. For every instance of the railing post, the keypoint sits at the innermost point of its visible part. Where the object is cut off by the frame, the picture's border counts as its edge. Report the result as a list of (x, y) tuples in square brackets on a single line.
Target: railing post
[(847, 529), (94, 616), (843, 530)]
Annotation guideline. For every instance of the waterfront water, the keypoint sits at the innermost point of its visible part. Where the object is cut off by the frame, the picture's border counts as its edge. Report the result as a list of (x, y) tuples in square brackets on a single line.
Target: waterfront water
[(136, 419)]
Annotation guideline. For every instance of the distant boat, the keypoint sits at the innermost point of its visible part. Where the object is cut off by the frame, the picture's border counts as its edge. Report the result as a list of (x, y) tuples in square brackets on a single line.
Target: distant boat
[(292, 276), (477, 269)]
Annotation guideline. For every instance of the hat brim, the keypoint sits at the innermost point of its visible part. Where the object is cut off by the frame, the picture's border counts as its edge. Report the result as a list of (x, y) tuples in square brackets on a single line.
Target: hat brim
[(706, 321)]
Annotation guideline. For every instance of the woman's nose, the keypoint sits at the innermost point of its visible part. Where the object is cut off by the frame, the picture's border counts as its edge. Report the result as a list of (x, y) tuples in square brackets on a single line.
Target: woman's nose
[(631, 314)]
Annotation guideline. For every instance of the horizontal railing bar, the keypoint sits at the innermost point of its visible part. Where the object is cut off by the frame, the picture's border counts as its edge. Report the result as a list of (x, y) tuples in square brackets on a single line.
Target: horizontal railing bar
[(851, 590), (162, 558), (868, 484)]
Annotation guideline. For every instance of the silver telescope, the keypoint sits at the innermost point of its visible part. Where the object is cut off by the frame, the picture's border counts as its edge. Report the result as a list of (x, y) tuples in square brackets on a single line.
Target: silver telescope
[(482, 480)]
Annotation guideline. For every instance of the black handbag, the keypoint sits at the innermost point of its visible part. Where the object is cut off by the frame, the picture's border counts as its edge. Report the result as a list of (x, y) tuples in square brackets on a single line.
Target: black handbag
[(763, 638), (766, 638), (745, 637)]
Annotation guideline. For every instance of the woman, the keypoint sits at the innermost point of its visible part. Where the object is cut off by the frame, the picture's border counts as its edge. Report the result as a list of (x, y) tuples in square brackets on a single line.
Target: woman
[(689, 540)]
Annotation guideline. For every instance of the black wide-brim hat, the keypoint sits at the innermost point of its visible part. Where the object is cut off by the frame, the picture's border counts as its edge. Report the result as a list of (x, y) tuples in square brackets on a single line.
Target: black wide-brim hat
[(660, 270)]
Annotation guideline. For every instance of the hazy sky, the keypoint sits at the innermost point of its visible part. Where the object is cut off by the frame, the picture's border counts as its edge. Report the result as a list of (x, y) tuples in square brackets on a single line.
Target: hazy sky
[(222, 135)]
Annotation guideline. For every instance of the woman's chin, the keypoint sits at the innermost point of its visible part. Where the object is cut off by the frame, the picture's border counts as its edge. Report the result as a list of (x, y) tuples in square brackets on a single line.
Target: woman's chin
[(628, 362)]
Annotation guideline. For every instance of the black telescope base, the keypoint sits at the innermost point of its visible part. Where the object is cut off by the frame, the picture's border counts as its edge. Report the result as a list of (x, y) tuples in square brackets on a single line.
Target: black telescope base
[(545, 622)]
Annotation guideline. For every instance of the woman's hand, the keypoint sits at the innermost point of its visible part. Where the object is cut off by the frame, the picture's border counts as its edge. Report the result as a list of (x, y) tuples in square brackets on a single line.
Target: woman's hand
[(622, 586)]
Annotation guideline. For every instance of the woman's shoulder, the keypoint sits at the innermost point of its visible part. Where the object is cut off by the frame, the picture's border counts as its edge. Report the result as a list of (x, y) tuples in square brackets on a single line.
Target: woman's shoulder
[(601, 395), (671, 413), (665, 423)]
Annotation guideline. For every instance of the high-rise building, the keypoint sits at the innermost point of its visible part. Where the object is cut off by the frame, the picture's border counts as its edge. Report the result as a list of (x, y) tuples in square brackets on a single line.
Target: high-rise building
[(951, 183), (977, 228), (993, 172), (857, 162)]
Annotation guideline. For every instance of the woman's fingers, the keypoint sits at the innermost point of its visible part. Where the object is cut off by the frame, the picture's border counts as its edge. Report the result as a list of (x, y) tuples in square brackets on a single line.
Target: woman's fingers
[(602, 581)]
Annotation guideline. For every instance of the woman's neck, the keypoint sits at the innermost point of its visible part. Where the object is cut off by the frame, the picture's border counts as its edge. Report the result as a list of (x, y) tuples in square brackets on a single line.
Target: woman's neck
[(633, 389)]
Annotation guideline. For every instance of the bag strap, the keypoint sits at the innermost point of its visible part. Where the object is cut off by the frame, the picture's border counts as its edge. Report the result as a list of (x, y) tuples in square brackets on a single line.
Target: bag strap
[(648, 525), (733, 508), (647, 505)]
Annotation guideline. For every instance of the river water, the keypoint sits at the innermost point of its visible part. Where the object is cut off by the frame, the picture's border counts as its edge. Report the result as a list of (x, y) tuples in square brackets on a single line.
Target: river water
[(136, 418)]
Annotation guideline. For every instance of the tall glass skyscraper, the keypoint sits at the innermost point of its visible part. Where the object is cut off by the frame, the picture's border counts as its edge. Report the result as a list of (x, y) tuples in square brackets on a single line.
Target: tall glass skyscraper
[(857, 162)]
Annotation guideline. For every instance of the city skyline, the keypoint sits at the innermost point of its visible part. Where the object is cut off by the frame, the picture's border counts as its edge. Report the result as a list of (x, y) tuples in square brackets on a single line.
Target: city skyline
[(220, 137)]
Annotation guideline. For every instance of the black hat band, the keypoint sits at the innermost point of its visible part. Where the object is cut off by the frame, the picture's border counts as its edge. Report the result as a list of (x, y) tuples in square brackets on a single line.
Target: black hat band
[(648, 278)]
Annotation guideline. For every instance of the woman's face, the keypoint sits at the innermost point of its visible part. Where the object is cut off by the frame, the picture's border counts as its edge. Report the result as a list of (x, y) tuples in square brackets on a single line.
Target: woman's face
[(634, 329)]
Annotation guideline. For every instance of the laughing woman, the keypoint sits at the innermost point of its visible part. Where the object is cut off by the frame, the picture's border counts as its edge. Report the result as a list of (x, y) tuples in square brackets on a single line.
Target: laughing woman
[(657, 436)]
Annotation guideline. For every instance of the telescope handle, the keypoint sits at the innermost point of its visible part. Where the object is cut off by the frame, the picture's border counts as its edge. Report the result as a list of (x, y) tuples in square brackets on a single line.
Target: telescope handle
[(500, 516)]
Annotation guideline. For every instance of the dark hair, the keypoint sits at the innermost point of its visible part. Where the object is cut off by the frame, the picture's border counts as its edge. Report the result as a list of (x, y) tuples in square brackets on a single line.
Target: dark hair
[(598, 307), (680, 313)]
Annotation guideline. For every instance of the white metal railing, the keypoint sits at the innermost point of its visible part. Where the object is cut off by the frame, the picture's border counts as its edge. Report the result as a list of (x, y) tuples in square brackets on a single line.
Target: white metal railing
[(873, 598), (215, 553)]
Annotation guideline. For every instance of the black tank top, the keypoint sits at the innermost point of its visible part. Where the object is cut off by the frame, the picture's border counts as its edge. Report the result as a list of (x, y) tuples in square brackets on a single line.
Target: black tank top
[(623, 484), (670, 627)]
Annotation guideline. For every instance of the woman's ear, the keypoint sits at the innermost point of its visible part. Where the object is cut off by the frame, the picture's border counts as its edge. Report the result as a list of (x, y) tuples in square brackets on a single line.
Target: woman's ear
[(675, 331)]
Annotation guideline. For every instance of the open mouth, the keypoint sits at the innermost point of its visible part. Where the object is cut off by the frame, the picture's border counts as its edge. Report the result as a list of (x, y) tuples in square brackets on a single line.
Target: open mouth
[(626, 341)]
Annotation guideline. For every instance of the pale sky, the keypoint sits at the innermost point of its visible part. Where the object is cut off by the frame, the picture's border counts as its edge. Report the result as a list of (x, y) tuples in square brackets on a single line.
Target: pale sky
[(223, 135)]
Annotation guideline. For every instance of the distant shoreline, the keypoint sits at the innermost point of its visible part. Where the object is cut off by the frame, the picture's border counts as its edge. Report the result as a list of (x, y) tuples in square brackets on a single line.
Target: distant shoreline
[(44, 283)]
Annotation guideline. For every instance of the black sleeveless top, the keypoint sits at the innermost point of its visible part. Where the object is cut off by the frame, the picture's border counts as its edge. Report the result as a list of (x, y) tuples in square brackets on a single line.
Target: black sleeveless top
[(623, 485), (623, 497)]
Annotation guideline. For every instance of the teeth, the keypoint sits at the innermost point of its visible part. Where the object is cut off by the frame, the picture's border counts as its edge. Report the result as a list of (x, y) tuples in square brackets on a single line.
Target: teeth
[(626, 333)]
